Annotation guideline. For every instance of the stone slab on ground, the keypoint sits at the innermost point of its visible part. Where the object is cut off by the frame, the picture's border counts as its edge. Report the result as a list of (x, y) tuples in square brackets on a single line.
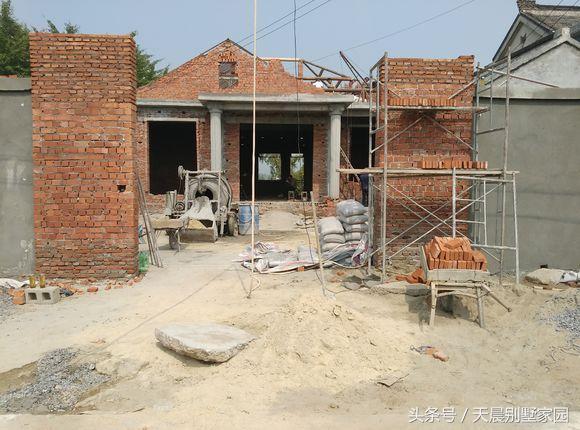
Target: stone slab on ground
[(545, 276), (214, 343)]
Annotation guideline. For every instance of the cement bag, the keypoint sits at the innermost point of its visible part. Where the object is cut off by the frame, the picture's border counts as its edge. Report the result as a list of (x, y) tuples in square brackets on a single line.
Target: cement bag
[(330, 225), (332, 238), (355, 236), (328, 246), (354, 219), (349, 228), (348, 208)]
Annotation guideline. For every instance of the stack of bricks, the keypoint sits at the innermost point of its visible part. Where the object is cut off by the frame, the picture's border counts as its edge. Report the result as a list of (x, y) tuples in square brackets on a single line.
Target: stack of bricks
[(83, 109), (435, 163), (422, 102), (453, 253)]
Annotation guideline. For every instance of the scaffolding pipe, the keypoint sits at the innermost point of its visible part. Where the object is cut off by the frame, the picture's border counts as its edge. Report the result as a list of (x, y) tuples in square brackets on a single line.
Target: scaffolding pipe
[(505, 155), (385, 145)]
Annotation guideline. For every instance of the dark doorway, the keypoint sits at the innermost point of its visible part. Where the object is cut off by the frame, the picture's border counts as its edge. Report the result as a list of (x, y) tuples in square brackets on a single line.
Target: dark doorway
[(359, 147), (281, 151), (171, 144)]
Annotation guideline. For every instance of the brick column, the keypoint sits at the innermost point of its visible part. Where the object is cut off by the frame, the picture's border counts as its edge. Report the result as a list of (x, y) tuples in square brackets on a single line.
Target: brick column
[(84, 116)]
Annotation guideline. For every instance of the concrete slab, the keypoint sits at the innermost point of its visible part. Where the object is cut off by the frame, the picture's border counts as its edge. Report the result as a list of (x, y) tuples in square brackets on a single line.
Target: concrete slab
[(401, 287), (545, 276), (214, 343)]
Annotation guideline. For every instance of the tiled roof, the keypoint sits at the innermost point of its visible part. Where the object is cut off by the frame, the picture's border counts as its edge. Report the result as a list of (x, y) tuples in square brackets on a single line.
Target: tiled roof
[(552, 16)]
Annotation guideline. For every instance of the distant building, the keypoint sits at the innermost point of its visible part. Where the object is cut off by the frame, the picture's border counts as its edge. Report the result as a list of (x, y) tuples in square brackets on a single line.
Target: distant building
[(544, 116)]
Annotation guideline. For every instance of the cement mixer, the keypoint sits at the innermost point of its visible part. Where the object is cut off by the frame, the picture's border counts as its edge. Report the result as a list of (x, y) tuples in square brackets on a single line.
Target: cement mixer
[(206, 208)]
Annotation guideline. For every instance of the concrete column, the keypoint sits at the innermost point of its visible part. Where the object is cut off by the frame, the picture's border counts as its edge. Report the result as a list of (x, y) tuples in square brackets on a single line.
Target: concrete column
[(334, 154), (216, 138)]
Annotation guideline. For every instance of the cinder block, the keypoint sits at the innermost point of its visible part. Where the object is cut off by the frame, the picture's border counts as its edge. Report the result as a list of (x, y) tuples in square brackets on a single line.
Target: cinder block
[(42, 296)]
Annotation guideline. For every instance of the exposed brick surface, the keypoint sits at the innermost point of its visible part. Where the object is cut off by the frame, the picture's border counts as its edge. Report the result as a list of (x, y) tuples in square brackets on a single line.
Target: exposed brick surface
[(425, 82), (83, 107), (200, 75)]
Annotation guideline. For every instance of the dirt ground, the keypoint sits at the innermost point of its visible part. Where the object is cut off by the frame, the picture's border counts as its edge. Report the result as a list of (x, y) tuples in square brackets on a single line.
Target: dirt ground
[(315, 362)]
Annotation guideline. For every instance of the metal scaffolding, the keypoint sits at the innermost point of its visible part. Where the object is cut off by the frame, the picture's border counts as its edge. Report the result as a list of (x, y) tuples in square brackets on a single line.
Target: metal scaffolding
[(468, 205)]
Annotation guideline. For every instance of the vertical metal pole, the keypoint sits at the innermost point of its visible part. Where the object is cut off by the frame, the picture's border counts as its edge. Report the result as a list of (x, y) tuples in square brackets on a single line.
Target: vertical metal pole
[(484, 212), (317, 239), (516, 240), (491, 101), (384, 187), (475, 118), (453, 203), (219, 204), (371, 190), (505, 157), (253, 222), (371, 199)]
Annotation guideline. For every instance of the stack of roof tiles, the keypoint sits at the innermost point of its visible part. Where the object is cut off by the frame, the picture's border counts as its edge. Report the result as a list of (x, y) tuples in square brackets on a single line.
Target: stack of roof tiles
[(453, 253)]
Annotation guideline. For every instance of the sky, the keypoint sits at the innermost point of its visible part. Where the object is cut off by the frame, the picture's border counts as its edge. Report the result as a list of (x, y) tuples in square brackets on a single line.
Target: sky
[(178, 30)]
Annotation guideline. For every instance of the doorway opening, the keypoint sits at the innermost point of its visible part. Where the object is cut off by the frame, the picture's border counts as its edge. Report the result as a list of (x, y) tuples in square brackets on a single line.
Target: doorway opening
[(171, 144), (283, 160)]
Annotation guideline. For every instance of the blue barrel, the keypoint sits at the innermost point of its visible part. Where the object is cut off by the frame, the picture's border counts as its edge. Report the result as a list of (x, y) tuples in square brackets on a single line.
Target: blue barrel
[(245, 218)]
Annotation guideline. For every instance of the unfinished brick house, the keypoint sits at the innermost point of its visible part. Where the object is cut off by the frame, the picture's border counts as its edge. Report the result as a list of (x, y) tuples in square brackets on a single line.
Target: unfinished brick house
[(199, 116)]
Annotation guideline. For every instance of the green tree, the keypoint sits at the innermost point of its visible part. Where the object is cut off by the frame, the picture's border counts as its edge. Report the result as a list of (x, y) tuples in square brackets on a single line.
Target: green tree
[(68, 28), (14, 57), (147, 70), (14, 51)]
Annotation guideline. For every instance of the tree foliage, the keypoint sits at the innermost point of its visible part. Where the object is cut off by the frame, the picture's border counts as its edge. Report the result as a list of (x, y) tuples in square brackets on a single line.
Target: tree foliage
[(14, 57), (147, 70), (14, 51)]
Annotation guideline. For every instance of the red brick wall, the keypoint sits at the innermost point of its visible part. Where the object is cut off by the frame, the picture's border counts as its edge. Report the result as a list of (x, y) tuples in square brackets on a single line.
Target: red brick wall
[(425, 78), (83, 107), (200, 75)]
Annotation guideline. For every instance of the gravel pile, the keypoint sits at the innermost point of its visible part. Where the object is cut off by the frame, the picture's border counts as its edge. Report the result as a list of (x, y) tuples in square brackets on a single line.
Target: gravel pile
[(58, 386), (564, 314), (6, 306), (568, 321)]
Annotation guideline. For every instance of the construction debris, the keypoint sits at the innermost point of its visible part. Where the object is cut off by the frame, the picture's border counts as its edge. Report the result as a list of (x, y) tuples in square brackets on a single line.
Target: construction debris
[(432, 351), (209, 342), (392, 378)]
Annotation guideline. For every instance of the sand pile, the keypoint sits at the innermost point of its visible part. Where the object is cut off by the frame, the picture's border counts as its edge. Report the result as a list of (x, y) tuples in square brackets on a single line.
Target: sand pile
[(324, 342)]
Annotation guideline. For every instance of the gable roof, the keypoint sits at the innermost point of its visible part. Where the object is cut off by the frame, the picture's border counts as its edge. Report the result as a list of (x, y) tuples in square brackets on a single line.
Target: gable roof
[(545, 20)]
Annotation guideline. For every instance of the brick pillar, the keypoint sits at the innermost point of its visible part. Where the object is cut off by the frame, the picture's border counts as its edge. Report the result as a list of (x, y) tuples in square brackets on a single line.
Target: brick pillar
[(84, 117)]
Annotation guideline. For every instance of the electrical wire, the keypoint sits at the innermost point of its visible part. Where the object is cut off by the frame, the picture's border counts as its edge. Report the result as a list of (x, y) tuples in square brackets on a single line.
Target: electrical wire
[(275, 22), (402, 30), (290, 22)]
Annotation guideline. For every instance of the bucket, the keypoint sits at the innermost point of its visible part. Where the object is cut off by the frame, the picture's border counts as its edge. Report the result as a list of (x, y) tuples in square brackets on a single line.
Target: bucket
[(143, 261), (245, 218)]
